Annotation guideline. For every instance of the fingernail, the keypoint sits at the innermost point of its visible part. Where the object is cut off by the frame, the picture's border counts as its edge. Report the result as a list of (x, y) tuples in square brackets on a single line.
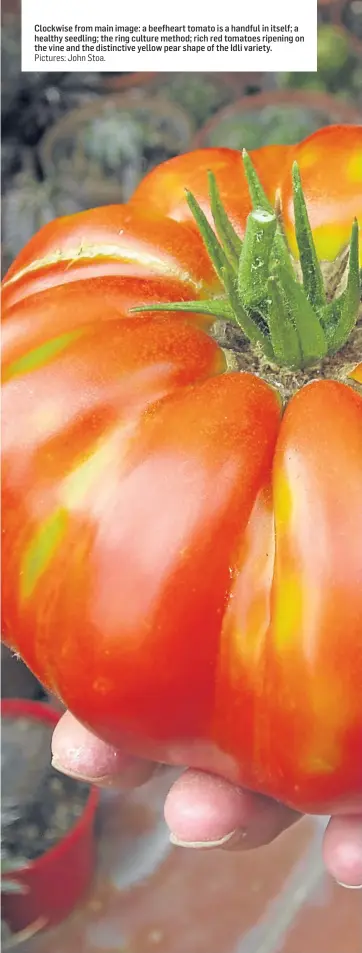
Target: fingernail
[(200, 844), (79, 777), (349, 886), (130, 777)]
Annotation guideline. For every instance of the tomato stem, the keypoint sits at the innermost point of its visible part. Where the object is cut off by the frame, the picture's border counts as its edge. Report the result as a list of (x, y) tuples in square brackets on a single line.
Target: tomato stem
[(260, 200), (290, 320), (254, 269), (254, 329)]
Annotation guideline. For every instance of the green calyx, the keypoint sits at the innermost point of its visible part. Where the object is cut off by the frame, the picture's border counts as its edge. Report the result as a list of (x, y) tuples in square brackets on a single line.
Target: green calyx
[(290, 320)]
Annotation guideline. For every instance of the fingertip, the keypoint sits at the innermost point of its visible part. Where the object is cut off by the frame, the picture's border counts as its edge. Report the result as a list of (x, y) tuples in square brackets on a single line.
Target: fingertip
[(77, 753), (203, 810), (201, 807), (342, 850)]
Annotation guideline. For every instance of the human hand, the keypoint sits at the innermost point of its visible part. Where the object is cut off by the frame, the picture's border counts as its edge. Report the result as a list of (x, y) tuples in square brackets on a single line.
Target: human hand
[(204, 811)]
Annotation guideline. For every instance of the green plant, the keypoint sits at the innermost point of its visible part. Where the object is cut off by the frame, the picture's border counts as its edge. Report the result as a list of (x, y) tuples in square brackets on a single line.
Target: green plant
[(199, 95), (337, 64), (279, 124)]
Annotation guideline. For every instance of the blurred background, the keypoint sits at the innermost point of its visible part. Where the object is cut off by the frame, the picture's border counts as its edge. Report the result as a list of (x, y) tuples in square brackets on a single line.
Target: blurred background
[(71, 141)]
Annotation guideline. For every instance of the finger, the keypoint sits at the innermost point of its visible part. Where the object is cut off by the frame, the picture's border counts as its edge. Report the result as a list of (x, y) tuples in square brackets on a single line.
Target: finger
[(342, 850), (204, 811), (79, 754)]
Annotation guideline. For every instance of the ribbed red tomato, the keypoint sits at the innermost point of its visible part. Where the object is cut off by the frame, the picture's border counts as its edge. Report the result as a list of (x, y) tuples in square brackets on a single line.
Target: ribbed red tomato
[(182, 550)]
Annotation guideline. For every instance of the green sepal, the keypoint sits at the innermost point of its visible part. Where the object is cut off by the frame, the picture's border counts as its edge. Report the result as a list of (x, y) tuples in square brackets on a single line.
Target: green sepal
[(212, 245), (350, 304), (311, 270), (283, 334), (229, 239), (259, 199), (215, 307), (329, 316), (312, 339)]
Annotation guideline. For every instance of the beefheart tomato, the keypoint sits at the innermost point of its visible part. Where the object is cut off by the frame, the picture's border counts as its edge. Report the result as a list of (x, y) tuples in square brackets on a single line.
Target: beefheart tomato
[(182, 535)]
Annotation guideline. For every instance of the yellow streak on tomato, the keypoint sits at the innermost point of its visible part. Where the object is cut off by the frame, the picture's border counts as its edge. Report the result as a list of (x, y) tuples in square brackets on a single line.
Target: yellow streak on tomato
[(310, 157), (41, 356), (40, 552), (328, 705), (287, 596), (354, 168), (81, 481), (331, 240), (103, 465), (248, 615), (287, 611), (312, 764), (283, 500)]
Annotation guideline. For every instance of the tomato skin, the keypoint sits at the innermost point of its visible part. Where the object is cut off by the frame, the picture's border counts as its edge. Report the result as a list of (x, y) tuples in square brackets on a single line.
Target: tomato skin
[(40, 317), (163, 189), (206, 465), (319, 552), (116, 241), (330, 164), (291, 643), (165, 460), (183, 562)]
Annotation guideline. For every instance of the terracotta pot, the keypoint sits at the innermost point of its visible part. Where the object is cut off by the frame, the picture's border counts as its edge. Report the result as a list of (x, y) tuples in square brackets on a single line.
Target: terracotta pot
[(334, 109), (64, 162), (339, 17), (55, 882)]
